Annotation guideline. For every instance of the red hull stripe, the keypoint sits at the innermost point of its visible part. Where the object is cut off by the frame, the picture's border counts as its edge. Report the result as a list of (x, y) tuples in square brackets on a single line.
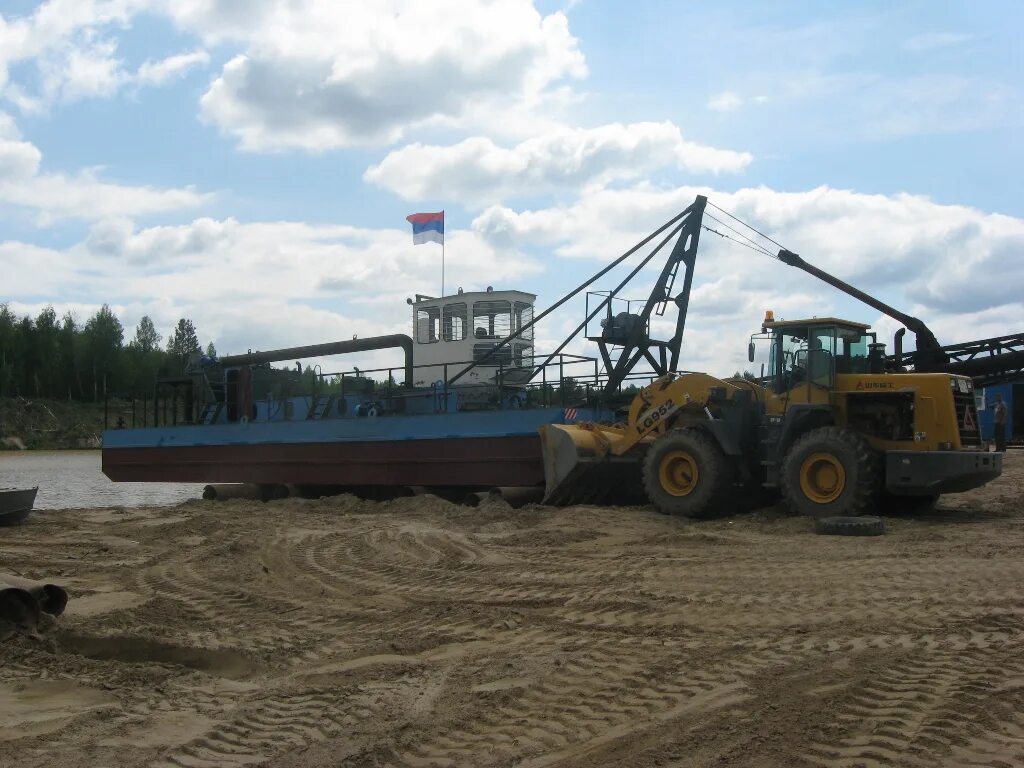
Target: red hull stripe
[(490, 461)]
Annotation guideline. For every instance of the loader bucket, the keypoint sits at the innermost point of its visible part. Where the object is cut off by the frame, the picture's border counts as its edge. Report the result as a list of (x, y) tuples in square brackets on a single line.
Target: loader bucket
[(575, 472)]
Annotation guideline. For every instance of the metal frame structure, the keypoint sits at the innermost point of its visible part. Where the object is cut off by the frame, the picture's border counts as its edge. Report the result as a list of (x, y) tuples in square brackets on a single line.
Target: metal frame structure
[(637, 345), (685, 228), (987, 361)]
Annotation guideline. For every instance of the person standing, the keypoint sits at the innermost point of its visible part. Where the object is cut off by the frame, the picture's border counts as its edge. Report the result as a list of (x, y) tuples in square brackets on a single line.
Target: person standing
[(1000, 423)]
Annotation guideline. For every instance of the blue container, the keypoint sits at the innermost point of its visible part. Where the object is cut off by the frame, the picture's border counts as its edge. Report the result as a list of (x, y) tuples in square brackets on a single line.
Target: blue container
[(986, 400)]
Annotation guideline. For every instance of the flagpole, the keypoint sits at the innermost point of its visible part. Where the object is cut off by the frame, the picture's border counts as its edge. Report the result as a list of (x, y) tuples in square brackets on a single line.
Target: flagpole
[(443, 238)]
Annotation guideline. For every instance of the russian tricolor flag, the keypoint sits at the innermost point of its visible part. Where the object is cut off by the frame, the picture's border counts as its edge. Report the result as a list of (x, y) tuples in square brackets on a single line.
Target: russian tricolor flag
[(427, 227)]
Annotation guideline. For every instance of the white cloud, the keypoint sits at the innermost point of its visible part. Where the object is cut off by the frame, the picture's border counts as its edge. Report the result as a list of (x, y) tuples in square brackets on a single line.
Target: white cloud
[(953, 266), (259, 284), (84, 71), (946, 258), (477, 171), (727, 101), (61, 37), (159, 72), (18, 159), (83, 195), (928, 41), (317, 75), (73, 46), (956, 267)]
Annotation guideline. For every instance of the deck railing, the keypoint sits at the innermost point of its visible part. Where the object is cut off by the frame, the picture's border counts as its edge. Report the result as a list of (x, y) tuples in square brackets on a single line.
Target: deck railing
[(566, 380)]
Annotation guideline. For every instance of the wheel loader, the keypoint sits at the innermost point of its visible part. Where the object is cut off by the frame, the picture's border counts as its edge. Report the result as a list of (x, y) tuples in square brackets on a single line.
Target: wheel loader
[(833, 423), (828, 426)]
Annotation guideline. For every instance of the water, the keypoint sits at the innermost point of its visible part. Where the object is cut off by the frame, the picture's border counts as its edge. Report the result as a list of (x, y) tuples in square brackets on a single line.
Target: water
[(74, 479)]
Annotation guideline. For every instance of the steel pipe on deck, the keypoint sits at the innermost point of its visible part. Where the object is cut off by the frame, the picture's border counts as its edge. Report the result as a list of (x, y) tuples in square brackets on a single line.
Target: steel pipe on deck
[(368, 344)]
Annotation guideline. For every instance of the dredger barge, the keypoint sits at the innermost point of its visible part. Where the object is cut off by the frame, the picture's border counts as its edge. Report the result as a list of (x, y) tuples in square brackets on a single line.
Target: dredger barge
[(387, 428), (831, 422)]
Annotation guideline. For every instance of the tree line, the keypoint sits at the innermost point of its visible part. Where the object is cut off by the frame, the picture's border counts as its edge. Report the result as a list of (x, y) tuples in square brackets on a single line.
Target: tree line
[(60, 358)]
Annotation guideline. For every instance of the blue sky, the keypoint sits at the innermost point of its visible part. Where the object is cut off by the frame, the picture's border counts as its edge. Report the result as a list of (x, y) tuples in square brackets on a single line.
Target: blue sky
[(250, 165)]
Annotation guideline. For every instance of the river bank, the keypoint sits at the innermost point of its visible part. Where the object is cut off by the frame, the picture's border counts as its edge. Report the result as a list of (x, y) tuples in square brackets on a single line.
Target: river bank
[(29, 424), (415, 632), (74, 480)]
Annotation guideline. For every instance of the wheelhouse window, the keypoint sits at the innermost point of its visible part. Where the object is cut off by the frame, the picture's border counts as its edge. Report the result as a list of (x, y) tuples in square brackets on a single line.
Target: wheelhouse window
[(522, 355), (502, 357), (492, 319), (522, 314), (428, 325), (454, 317)]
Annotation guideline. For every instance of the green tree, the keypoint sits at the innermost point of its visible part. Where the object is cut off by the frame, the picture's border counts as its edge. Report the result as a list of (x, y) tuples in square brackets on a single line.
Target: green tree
[(47, 368), (211, 350), (745, 375), (184, 341), (23, 356), (104, 335), (69, 346), (8, 334), (146, 338)]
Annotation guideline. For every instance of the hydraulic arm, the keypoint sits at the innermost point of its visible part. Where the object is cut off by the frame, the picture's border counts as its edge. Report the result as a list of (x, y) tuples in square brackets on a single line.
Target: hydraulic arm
[(929, 356)]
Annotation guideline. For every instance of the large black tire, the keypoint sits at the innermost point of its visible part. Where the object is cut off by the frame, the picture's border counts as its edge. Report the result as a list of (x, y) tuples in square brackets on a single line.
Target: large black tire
[(831, 472), (686, 473), (849, 526)]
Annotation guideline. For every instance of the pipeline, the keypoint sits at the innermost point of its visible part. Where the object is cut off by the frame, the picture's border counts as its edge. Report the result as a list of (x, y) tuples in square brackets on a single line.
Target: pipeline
[(22, 601), (258, 492), (324, 350), (514, 496)]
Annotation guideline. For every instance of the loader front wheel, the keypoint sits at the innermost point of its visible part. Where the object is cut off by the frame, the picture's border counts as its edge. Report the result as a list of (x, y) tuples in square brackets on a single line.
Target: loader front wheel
[(686, 473), (831, 472)]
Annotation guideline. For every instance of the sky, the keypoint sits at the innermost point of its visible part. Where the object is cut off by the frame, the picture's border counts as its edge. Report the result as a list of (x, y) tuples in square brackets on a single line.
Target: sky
[(249, 164)]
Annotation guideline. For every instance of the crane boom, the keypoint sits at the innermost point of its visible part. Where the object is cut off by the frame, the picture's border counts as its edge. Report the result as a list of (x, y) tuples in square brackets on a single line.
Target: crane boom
[(929, 355)]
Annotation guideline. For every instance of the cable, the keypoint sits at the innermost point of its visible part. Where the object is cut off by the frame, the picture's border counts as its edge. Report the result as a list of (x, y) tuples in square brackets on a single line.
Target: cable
[(752, 242), (673, 222), (762, 234), (736, 232), (758, 249)]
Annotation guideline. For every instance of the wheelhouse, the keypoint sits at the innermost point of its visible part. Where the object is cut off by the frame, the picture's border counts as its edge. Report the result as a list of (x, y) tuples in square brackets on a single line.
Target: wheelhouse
[(451, 331)]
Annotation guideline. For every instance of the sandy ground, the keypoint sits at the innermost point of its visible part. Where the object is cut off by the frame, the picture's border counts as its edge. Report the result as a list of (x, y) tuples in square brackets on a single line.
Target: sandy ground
[(418, 633)]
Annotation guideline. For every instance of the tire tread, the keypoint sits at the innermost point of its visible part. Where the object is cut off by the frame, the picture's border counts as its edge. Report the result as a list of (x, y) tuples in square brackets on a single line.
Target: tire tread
[(867, 480)]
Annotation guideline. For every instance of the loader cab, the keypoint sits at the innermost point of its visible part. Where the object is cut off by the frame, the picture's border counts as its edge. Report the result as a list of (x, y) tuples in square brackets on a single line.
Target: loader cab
[(805, 356)]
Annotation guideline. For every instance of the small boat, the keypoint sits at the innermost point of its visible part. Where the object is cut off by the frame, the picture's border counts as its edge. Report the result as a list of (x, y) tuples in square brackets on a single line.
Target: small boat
[(15, 504)]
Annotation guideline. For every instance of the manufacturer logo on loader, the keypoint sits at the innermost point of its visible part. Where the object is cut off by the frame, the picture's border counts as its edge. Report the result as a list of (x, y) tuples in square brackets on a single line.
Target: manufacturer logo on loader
[(656, 416), (874, 385)]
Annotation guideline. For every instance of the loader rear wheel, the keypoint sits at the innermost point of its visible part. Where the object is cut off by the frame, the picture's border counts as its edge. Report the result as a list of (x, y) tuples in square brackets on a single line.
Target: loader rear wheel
[(686, 473), (830, 472)]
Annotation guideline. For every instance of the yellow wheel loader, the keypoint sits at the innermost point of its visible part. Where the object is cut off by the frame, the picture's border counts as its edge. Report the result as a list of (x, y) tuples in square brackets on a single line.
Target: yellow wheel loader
[(828, 427), (833, 423)]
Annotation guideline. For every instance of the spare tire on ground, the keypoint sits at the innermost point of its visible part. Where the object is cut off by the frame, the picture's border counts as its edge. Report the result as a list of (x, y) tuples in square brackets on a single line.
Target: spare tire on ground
[(849, 526)]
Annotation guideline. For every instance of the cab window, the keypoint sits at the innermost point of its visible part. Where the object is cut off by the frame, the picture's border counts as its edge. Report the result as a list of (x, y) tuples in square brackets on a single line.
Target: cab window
[(821, 353), (852, 349), (788, 358)]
